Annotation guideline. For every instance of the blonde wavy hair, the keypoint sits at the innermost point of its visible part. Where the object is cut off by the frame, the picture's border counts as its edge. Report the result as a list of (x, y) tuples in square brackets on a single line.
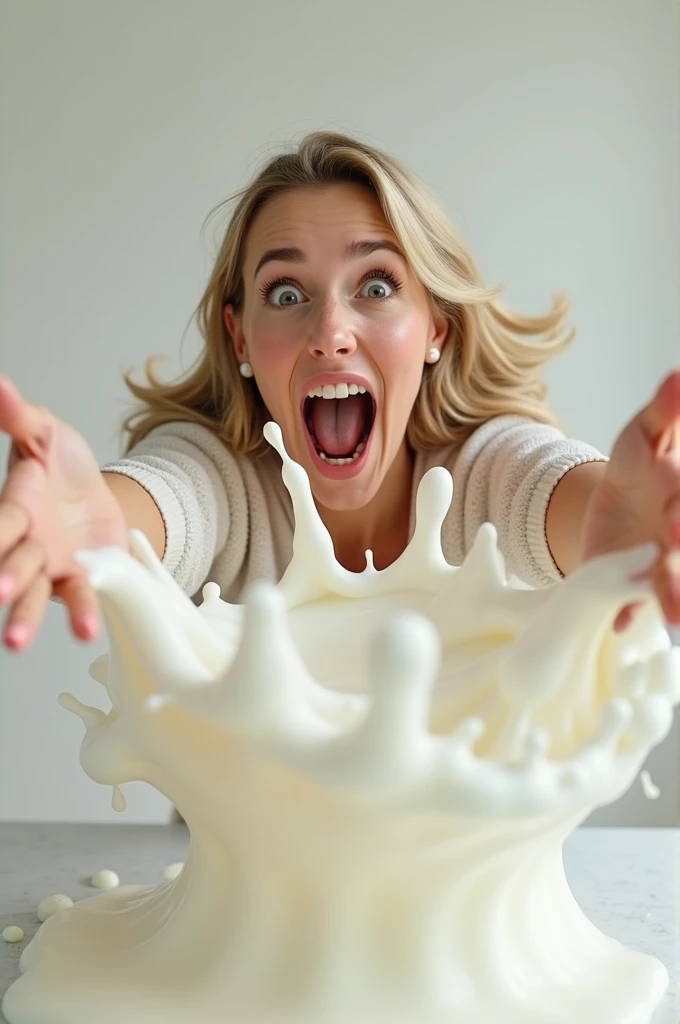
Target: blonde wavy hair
[(489, 366)]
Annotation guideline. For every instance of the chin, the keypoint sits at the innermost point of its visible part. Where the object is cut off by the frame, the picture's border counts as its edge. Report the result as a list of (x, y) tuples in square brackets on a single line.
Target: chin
[(345, 496)]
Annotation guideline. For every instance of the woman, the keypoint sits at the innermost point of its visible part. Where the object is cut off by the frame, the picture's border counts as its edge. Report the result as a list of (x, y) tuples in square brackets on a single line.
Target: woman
[(344, 306)]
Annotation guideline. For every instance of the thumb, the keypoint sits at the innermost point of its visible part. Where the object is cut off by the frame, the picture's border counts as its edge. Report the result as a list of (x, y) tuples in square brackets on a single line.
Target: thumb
[(658, 417), (649, 434), (28, 425)]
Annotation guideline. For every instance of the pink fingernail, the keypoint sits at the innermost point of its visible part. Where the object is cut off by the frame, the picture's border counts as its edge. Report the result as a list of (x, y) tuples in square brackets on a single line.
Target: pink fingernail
[(89, 625), (17, 634), (6, 586)]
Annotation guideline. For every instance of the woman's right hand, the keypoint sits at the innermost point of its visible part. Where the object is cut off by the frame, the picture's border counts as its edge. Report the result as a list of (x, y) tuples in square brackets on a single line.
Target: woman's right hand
[(54, 502)]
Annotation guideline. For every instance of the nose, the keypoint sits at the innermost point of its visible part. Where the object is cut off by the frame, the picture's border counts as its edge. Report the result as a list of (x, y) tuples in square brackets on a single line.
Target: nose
[(332, 336)]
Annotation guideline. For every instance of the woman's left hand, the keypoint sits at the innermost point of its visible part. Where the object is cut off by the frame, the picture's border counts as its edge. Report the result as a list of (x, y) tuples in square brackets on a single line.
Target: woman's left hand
[(638, 498)]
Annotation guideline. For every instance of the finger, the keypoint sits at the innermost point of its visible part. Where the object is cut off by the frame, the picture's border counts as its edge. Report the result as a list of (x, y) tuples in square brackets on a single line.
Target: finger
[(81, 601), (625, 617), (19, 569), (669, 441), (27, 614), (10, 405), (667, 586), (670, 605), (14, 524), (659, 415), (673, 520), (664, 579), (28, 425)]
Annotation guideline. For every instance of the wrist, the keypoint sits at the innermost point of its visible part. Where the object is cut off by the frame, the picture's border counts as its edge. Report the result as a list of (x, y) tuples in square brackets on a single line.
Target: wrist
[(109, 521), (568, 512)]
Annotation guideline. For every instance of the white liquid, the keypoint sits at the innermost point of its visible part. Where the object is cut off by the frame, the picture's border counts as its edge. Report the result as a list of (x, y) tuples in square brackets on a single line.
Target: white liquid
[(649, 787), (52, 905), (172, 871), (378, 771), (105, 879)]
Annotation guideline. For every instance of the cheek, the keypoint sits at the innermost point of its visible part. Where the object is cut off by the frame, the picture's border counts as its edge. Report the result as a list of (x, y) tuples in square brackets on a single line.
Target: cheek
[(273, 355), (397, 348)]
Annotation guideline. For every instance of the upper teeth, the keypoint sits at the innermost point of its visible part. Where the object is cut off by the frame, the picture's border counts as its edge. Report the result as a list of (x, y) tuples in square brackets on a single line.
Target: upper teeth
[(336, 391)]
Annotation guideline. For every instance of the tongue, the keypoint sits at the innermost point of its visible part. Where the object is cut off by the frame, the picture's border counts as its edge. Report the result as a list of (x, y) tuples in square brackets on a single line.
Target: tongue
[(338, 424)]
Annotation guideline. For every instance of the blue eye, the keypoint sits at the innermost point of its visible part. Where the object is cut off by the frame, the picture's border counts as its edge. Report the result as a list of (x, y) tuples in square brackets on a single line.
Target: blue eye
[(376, 289), (379, 284), (282, 293)]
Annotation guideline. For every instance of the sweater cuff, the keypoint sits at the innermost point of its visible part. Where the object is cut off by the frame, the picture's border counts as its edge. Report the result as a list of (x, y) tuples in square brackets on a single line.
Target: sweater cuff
[(537, 536), (168, 506)]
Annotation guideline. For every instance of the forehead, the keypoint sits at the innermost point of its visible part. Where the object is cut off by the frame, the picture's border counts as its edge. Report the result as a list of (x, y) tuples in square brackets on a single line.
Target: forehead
[(305, 217)]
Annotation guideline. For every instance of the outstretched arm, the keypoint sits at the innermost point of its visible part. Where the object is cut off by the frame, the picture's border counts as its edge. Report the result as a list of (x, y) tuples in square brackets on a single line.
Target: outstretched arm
[(630, 501)]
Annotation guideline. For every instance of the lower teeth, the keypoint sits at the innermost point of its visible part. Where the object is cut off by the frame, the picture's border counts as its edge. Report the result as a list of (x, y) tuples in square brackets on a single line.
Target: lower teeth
[(348, 461)]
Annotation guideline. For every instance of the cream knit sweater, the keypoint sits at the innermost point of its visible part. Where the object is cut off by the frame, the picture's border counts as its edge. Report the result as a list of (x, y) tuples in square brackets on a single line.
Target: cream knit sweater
[(229, 519)]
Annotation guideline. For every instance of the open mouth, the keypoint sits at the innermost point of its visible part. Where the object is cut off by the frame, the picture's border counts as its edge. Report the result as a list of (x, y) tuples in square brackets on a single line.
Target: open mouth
[(339, 419)]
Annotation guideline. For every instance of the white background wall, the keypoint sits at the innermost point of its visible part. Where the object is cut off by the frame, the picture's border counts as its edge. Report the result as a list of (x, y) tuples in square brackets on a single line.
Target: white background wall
[(549, 130)]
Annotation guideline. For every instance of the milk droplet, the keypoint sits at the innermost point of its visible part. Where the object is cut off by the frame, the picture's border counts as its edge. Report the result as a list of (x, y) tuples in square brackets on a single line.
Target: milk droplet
[(536, 745), (52, 905), (172, 871), (468, 732), (105, 879), (118, 801), (649, 788)]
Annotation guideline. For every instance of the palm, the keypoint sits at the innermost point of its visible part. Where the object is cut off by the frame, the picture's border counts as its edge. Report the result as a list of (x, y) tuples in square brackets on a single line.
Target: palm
[(626, 509), (62, 493), (638, 500), (56, 481)]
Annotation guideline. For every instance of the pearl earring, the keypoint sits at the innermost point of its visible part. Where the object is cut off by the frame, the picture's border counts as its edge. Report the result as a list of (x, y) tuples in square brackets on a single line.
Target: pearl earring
[(433, 355), (246, 370)]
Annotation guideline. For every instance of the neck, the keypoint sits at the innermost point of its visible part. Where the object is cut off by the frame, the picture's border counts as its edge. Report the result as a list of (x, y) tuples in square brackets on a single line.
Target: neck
[(381, 526)]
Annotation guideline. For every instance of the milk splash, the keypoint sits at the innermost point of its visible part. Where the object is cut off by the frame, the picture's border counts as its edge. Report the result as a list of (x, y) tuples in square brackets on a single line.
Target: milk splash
[(378, 771)]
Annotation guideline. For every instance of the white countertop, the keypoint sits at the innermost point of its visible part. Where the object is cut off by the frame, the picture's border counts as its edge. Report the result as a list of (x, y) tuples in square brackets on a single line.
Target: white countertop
[(626, 880)]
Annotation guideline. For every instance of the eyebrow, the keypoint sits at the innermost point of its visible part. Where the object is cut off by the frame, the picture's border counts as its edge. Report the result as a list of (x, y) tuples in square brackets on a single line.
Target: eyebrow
[(353, 251)]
